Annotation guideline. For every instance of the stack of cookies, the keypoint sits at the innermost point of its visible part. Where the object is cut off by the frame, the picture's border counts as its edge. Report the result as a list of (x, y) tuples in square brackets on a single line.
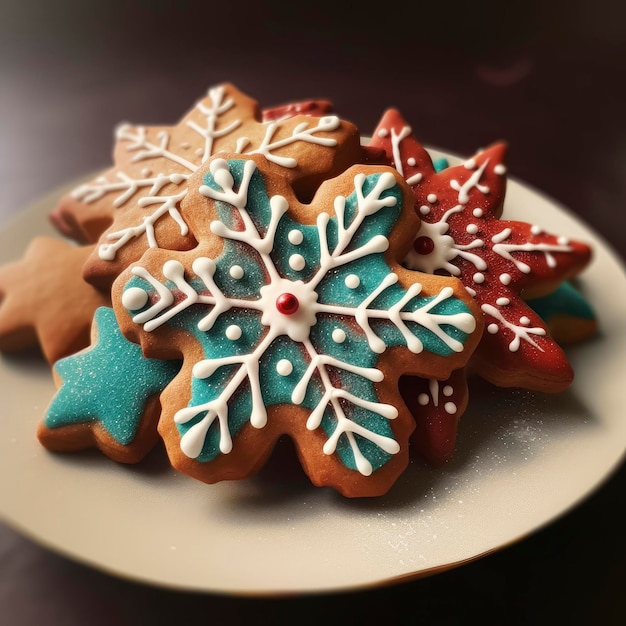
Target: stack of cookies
[(250, 274)]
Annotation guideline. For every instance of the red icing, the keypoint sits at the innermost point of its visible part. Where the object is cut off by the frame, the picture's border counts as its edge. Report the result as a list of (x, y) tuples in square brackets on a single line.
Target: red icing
[(287, 303), (315, 108), (423, 245)]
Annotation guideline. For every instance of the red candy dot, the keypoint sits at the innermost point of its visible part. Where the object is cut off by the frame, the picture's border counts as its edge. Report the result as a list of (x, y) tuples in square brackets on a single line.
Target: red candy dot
[(423, 245), (287, 303)]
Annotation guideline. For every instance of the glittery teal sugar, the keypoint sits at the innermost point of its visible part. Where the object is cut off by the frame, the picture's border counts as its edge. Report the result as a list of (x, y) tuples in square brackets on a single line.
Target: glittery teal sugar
[(109, 382), (440, 164)]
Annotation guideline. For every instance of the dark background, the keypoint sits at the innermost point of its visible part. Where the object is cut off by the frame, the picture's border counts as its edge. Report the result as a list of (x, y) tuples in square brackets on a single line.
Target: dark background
[(547, 77)]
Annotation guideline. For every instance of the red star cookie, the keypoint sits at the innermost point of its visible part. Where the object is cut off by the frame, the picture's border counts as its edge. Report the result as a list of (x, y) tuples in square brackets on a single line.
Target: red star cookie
[(44, 300), (462, 234)]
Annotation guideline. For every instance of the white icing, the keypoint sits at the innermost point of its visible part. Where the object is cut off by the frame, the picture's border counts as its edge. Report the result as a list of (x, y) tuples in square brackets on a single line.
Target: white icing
[(471, 183), (284, 367), (236, 272), (352, 281), (339, 335), (295, 237), (506, 250), (519, 333), (297, 262), (233, 332), (445, 249), (432, 198), (134, 298)]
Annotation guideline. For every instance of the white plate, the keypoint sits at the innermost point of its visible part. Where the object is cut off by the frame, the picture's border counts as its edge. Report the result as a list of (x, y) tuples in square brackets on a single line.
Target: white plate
[(522, 460)]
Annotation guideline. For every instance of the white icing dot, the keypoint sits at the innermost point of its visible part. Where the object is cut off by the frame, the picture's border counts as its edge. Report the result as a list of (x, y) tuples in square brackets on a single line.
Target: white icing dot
[(450, 408), (524, 321), (470, 291), (478, 278), (492, 329), (477, 212), (284, 367), (505, 278), (199, 151), (185, 145), (236, 271), (448, 391), (134, 298), (352, 281), (339, 335), (146, 172), (383, 132), (500, 169), (432, 198), (424, 210), (297, 262), (233, 332), (295, 237), (472, 229), (536, 230), (411, 161), (470, 164), (423, 399), (503, 301), (562, 241)]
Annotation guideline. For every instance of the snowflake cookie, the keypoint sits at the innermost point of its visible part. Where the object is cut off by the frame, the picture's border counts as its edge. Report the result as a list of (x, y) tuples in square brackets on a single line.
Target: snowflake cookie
[(500, 262), (140, 196), (294, 319), (94, 407)]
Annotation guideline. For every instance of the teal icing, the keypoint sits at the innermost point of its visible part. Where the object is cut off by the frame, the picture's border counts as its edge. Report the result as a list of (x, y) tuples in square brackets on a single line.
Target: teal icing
[(440, 164), (564, 299), (108, 383), (355, 351), (331, 290)]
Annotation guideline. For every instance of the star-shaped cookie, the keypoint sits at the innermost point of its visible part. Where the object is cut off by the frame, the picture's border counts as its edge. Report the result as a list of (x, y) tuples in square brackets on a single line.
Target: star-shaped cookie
[(107, 396), (44, 300), (500, 262)]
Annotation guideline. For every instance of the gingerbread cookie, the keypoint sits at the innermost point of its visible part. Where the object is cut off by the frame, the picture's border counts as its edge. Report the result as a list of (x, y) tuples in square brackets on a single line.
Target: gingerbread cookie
[(141, 195), (462, 234), (44, 301), (107, 397), (84, 221), (294, 319)]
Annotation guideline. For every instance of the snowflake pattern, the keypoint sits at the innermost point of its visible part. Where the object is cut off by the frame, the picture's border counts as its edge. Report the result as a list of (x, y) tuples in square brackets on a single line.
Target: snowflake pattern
[(462, 234), (298, 314), (154, 164)]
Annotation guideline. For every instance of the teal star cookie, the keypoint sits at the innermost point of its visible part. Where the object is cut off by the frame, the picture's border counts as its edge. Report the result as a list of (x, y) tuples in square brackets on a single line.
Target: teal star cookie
[(107, 396)]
